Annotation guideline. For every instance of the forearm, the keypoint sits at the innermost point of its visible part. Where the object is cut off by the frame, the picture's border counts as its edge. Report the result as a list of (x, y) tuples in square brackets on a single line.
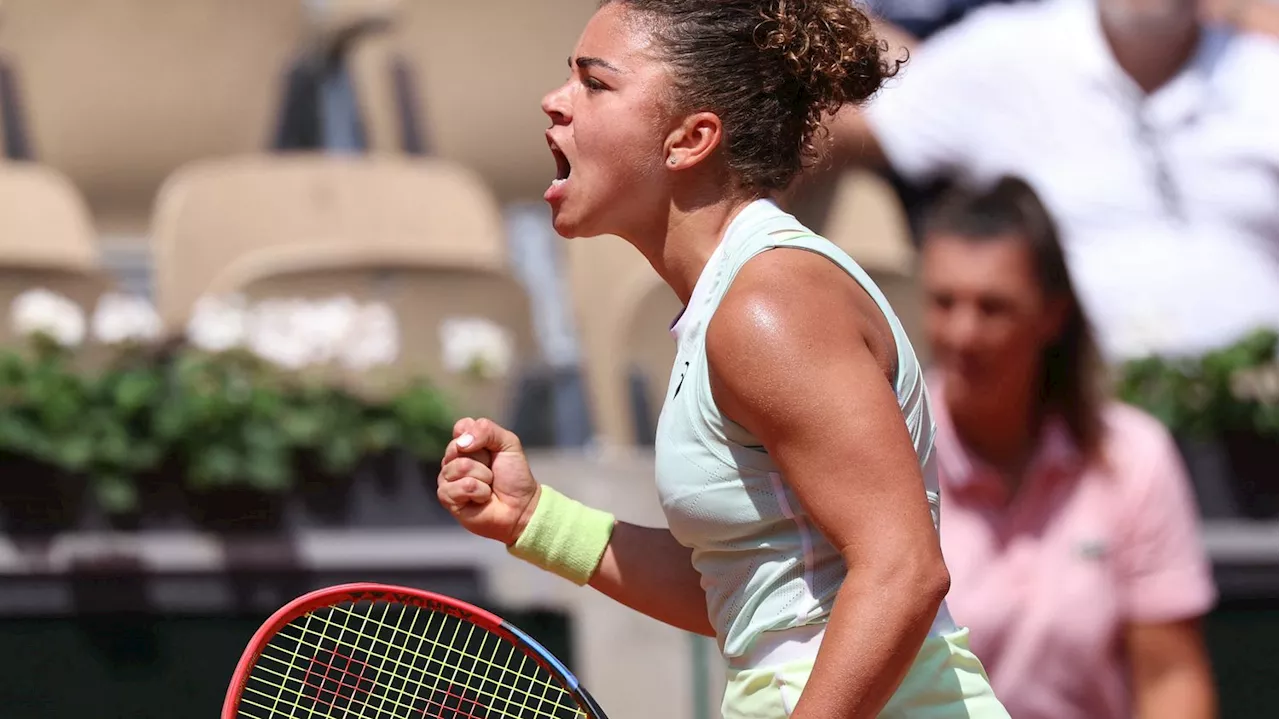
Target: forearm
[(647, 570), (877, 626), (1179, 693)]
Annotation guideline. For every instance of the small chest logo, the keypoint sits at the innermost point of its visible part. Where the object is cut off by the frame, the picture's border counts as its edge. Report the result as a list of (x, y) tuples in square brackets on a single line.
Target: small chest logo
[(680, 384), (1093, 550)]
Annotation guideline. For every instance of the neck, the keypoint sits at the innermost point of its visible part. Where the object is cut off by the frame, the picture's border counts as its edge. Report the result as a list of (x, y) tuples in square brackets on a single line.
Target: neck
[(680, 242), (1155, 57), (1001, 432)]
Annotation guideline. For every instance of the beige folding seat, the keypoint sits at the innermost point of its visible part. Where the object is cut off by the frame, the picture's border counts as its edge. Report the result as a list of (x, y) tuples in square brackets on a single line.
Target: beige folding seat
[(423, 288), (475, 74), (212, 213), (624, 313), (46, 240), (118, 94)]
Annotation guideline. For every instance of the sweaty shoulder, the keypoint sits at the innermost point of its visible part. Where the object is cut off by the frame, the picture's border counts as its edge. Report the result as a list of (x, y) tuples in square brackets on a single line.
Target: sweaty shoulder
[(787, 307)]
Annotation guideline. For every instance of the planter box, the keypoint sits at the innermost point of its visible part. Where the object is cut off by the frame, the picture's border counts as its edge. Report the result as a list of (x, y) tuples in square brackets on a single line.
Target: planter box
[(1234, 476)]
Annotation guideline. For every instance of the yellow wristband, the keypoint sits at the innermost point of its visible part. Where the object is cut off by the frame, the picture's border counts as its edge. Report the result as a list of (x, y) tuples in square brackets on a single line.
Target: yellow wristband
[(564, 537)]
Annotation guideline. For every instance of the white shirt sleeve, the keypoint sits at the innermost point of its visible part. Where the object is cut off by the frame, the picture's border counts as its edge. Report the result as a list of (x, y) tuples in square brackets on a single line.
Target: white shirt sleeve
[(928, 119)]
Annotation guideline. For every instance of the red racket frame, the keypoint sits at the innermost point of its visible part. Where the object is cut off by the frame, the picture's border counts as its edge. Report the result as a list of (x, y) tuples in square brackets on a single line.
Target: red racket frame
[(369, 591)]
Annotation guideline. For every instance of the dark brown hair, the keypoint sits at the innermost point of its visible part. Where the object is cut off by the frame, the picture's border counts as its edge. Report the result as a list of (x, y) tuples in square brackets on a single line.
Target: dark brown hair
[(771, 70), (1072, 381)]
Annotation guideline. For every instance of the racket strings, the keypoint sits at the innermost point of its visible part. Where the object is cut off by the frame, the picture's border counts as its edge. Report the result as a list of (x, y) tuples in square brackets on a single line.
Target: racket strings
[(347, 662), (454, 704), (447, 648)]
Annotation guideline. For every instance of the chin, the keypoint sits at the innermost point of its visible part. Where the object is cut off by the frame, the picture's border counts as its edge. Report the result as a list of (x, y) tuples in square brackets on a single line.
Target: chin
[(564, 224), (571, 225)]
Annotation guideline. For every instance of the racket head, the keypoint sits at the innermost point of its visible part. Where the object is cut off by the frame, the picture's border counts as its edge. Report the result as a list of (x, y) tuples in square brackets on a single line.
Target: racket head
[(301, 663)]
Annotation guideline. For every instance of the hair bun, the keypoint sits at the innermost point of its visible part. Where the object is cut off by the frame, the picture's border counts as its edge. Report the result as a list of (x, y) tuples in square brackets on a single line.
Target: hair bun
[(829, 46)]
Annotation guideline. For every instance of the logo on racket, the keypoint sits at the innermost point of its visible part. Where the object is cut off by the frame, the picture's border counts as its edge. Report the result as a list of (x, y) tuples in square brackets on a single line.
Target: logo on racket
[(412, 600)]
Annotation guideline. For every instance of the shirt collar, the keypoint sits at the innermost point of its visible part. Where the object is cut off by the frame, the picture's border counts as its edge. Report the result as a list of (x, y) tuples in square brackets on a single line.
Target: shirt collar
[(961, 471), (1184, 95)]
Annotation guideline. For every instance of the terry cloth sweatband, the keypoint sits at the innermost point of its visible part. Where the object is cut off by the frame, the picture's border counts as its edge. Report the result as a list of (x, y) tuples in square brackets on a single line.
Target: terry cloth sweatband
[(565, 537)]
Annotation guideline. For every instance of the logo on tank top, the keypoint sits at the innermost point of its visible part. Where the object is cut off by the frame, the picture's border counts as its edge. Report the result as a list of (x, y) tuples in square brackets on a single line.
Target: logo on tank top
[(681, 382)]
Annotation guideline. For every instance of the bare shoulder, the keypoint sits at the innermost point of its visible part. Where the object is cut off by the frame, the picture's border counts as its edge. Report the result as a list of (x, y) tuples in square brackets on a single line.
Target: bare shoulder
[(787, 306)]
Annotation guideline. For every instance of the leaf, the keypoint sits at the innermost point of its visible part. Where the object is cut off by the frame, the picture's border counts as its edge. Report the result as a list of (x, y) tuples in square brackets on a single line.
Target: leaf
[(302, 427), (269, 471), (74, 453), (136, 390), (380, 435), (115, 494), (217, 465), (340, 456)]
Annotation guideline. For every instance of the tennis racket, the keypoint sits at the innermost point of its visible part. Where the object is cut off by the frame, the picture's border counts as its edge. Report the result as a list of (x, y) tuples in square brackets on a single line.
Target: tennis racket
[(373, 651)]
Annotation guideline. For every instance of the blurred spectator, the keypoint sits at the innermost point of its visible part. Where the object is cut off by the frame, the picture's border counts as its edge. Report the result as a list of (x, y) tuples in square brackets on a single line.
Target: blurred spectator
[(918, 19), (1068, 521), (1151, 138), (1260, 17)]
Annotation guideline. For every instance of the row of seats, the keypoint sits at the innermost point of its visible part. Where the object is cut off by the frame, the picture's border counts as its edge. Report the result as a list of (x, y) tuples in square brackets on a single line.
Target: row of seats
[(162, 127), (118, 94), (424, 235)]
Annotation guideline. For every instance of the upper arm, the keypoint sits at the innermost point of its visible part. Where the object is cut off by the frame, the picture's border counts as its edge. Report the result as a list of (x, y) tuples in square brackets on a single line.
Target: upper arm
[(1164, 570), (790, 362), (1155, 650), (925, 121)]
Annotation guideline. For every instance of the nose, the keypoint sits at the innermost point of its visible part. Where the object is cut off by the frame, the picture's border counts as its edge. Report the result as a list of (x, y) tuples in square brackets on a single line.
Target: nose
[(952, 327), (962, 327), (557, 106)]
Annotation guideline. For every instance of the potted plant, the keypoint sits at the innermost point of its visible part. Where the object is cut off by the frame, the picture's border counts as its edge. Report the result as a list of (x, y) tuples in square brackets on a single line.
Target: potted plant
[(1226, 398)]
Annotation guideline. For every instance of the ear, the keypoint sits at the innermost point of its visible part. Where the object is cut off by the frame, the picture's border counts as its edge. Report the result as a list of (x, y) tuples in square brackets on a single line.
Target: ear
[(692, 141)]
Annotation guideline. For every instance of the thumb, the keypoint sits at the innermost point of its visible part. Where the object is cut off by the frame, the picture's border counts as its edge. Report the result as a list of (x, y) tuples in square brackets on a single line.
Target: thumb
[(474, 436)]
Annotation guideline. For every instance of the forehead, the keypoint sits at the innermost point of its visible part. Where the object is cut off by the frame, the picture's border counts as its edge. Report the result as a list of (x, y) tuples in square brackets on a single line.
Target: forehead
[(996, 261), (619, 36)]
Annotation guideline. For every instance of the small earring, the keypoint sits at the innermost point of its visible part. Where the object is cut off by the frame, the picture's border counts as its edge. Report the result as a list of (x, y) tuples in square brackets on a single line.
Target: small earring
[(672, 160)]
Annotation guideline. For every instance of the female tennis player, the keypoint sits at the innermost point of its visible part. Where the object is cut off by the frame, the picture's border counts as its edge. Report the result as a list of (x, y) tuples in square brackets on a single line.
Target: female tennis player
[(794, 450)]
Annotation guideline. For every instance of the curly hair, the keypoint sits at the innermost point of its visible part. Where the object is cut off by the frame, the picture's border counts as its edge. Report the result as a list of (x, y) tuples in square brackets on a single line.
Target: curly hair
[(771, 70)]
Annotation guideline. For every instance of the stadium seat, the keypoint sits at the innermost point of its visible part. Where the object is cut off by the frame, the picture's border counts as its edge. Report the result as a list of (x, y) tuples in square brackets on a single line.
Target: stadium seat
[(46, 240), (624, 313), (424, 290), (117, 94), (464, 81), (211, 213)]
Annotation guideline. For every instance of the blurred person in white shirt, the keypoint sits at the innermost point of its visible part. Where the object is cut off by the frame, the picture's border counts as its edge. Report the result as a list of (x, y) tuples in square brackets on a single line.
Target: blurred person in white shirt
[(1152, 136)]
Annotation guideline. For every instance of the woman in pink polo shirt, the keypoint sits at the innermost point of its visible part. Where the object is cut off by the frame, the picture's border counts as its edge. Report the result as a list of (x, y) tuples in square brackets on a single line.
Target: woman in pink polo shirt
[(1068, 521)]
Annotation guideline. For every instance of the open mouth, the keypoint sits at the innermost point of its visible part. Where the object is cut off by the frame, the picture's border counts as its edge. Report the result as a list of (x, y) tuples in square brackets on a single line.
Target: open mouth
[(563, 168)]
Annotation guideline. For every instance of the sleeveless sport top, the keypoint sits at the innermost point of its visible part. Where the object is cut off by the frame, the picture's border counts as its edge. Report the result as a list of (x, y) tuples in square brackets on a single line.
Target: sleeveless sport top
[(763, 565)]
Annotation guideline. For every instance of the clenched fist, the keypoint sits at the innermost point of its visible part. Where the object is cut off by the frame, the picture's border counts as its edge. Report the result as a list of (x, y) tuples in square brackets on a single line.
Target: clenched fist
[(485, 481)]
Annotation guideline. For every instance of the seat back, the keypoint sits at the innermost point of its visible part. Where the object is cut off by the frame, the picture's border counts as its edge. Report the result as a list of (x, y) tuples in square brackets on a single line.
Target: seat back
[(212, 213), (118, 93), (475, 75)]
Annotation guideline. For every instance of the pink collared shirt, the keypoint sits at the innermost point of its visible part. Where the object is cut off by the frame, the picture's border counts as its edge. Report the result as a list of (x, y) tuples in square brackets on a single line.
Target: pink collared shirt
[(1047, 580)]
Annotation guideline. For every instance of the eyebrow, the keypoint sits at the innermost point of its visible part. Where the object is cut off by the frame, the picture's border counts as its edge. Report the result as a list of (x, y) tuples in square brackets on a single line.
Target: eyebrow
[(587, 62)]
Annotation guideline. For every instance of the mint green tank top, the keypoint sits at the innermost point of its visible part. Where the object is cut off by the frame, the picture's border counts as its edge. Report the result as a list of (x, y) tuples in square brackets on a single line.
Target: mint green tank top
[(763, 565)]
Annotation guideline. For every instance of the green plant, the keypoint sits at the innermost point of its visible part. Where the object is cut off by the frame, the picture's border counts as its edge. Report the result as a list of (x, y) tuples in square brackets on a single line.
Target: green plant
[(42, 406), (220, 420), (1231, 390)]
